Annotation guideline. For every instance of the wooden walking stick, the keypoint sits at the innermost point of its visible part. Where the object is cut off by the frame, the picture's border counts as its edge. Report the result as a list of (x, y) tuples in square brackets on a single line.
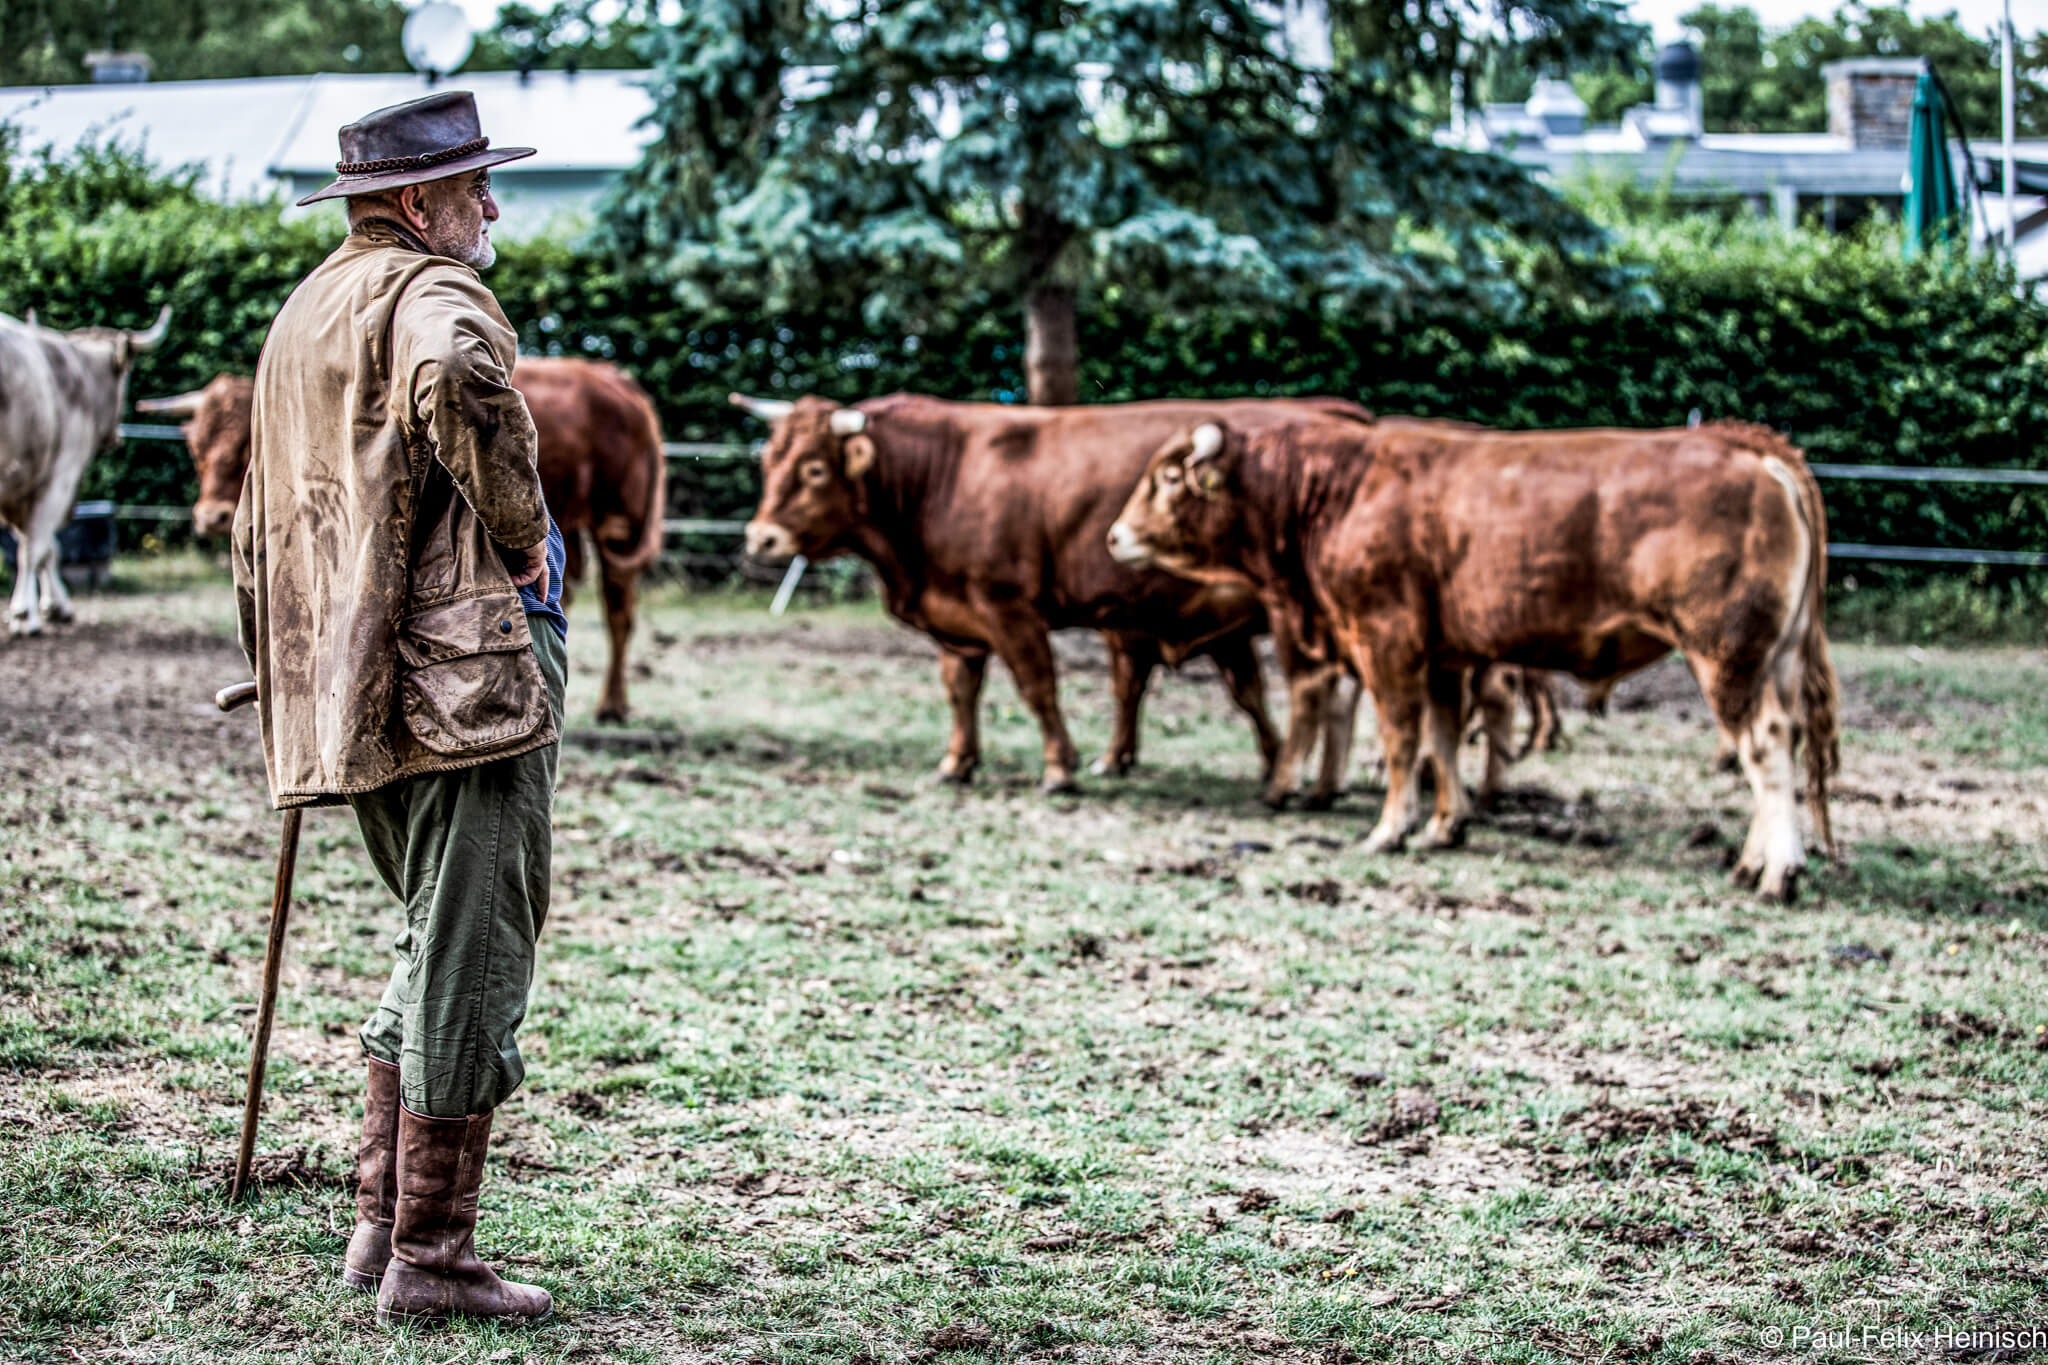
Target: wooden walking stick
[(228, 699)]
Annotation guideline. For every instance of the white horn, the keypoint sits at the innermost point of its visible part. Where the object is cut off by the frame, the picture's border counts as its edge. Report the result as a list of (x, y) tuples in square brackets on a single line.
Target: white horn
[(1208, 439), (849, 422), (183, 405), (147, 341), (767, 409)]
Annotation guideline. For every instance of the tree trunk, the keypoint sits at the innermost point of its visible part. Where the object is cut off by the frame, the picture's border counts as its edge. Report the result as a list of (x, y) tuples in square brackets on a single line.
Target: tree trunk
[(1050, 357)]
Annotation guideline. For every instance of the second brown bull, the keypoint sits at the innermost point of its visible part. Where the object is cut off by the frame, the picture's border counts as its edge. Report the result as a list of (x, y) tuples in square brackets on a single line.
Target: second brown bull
[(601, 470), (1425, 548), (985, 525)]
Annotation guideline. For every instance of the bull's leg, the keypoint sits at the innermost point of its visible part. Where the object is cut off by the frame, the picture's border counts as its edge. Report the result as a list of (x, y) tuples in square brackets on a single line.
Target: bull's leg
[(1399, 696), (56, 597), (1340, 725), (1442, 728), (1021, 642), (1546, 730), (621, 602), (1308, 699), (1238, 663), (1727, 748), (963, 674), (572, 563), (1767, 747), (1132, 660), (1494, 692), (22, 616)]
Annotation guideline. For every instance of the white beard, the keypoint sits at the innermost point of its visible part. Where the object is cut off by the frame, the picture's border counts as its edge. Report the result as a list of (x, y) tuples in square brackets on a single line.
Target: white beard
[(483, 255)]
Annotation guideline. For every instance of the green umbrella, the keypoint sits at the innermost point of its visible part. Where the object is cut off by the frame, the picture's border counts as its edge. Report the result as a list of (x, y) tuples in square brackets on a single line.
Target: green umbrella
[(1932, 206)]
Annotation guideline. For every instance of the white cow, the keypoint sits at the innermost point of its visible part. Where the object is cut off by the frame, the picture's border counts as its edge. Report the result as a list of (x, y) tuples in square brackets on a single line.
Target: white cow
[(61, 395)]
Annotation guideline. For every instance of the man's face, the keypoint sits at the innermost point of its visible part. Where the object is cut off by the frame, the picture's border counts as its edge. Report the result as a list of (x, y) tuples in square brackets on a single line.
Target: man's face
[(457, 214)]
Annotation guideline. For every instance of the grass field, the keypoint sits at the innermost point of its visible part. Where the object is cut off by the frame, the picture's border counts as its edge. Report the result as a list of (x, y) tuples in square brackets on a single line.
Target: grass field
[(828, 1063)]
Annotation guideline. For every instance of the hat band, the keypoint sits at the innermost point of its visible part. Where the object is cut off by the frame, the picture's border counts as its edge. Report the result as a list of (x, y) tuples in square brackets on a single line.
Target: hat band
[(384, 165)]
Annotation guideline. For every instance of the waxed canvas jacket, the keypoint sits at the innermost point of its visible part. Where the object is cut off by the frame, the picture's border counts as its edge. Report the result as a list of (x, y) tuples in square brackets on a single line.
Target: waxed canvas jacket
[(390, 460)]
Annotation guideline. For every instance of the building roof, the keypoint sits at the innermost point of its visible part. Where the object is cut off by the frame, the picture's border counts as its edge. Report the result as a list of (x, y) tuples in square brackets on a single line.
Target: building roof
[(253, 136)]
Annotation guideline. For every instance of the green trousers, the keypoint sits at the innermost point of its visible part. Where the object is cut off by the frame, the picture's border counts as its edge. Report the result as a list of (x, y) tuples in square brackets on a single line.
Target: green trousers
[(468, 852)]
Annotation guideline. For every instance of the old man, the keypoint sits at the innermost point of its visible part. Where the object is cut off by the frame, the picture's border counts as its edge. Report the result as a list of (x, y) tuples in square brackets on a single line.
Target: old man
[(399, 579)]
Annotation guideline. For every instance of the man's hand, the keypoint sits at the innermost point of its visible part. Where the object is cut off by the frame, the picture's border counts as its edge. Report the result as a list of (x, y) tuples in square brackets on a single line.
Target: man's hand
[(536, 570)]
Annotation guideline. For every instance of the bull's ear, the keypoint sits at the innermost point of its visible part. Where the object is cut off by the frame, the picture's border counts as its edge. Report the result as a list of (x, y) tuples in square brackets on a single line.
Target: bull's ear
[(860, 455)]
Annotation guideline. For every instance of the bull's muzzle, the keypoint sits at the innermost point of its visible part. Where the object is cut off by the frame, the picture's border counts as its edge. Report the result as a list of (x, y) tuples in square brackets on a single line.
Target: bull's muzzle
[(213, 518), (1125, 547), (766, 540)]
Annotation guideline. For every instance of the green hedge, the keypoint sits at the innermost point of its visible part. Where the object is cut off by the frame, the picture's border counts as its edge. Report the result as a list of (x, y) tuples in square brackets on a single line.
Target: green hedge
[(1858, 355)]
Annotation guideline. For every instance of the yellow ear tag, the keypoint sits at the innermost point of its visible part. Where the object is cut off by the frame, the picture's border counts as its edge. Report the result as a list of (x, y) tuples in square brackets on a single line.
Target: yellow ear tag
[(1209, 479)]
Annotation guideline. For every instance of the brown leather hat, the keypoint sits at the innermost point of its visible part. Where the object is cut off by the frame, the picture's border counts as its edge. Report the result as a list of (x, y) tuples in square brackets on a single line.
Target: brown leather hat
[(430, 138)]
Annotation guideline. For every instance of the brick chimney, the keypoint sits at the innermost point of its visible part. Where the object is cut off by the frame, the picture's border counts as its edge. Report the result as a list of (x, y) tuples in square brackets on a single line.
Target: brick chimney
[(1870, 99)]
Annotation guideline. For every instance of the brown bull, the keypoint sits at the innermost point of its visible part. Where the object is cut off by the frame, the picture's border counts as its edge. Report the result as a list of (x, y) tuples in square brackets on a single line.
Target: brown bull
[(1430, 548), (985, 525), (601, 470)]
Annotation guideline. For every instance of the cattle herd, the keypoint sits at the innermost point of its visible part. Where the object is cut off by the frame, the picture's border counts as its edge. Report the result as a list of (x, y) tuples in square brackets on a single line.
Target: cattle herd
[(1446, 570)]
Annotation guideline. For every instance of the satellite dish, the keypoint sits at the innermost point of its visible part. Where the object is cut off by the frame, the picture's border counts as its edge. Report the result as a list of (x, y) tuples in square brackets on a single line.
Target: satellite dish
[(437, 39)]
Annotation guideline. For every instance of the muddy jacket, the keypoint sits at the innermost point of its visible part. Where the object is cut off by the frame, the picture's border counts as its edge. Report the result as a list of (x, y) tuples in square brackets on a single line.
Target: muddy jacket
[(390, 460)]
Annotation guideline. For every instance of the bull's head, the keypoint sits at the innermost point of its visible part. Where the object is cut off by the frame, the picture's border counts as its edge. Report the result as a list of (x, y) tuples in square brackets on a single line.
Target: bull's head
[(812, 497), (217, 423), (115, 349), (1185, 516)]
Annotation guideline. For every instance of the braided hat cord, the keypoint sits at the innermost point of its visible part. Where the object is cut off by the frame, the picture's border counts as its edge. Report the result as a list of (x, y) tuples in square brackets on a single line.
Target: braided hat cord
[(383, 165)]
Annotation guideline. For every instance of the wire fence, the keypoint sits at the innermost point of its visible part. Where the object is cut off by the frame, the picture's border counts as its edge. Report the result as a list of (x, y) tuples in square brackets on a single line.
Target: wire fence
[(692, 562)]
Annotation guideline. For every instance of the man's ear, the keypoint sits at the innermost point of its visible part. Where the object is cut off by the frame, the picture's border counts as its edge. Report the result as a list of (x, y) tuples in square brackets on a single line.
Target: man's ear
[(860, 455)]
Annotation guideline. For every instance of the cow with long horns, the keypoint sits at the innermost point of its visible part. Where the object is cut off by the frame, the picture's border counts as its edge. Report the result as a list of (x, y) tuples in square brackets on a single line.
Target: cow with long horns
[(61, 395), (985, 525)]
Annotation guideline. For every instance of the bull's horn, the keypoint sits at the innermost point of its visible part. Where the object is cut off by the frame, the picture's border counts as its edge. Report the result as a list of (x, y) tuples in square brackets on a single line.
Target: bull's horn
[(147, 341), (1208, 439), (31, 319), (183, 405), (849, 422), (767, 409)]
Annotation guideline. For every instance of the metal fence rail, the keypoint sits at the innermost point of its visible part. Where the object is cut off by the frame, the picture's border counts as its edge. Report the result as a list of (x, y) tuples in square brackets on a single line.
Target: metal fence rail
[(1874, 473)]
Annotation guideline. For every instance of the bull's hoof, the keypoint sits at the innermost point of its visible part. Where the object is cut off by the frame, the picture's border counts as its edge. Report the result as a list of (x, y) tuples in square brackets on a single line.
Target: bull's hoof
[(611, 715), (1058, 784), (1276, 798), (1319, 800), (1439, 834), (1113, 765), (1727, 761), (1383, 840), (58, 616), (20, 625), (1747, 875), (1781, 887), (956, 774)]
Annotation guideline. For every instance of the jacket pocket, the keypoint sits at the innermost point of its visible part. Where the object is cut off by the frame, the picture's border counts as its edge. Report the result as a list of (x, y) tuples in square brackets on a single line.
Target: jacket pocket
[(469, 680)]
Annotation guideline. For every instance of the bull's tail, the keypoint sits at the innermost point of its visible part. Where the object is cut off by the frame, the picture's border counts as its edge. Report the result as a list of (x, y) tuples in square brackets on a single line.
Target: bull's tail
[(628, 562), (1819, 692)]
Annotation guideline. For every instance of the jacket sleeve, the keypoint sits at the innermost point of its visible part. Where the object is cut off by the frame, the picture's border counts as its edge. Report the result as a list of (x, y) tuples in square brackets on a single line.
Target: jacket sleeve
[(452, 358)]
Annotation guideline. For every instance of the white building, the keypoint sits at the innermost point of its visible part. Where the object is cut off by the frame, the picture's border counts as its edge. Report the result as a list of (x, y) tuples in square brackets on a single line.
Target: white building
[(1839, 175), (275, 135)]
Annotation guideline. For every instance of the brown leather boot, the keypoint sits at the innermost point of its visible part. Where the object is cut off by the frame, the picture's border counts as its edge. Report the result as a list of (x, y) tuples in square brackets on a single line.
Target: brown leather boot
[(369, 1247), (434, 1271)]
